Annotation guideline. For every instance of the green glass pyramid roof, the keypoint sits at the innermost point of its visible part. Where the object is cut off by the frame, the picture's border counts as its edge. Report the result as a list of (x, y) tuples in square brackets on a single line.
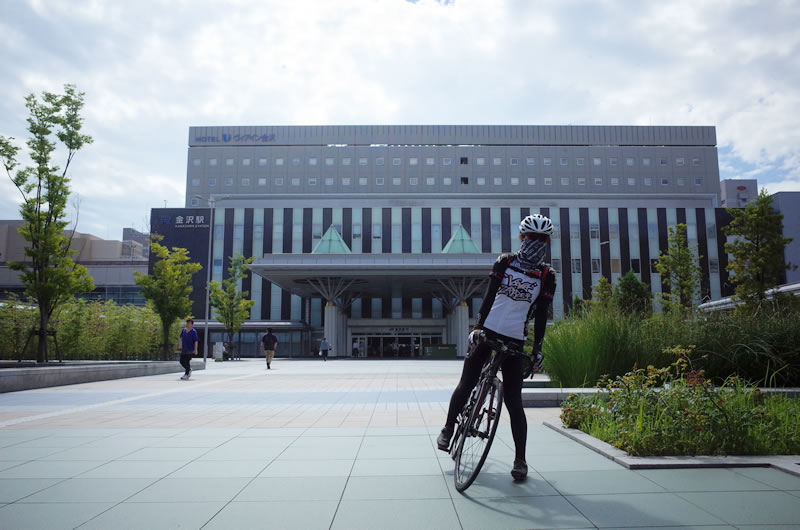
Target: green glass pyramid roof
[(460, 243), (331, 243)]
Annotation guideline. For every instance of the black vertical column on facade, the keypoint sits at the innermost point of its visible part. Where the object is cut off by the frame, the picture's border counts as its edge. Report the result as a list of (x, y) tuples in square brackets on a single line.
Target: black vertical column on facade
[(266, 286), (663, 242), (247, 250), (327, 219), (407, 307), (227, 247), (308, 215), (347, 227), (723, 218), (624, 241), (386, 230), (702, 250), (586, 253), (446, 232), (486, 230), (505, 229), (366, 230), (406, 220), (426, 231), (288, 219), (644, 246), (566, 260), (466, 220), (427, 308), (605, 245)]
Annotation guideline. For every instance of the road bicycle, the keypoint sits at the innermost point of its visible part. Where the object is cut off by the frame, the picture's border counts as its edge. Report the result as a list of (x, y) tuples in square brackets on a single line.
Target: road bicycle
[(477, 422)]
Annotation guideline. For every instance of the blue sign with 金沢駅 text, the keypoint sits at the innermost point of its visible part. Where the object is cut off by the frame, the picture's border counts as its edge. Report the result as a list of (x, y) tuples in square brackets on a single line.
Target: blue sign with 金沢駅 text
[(226, 138)]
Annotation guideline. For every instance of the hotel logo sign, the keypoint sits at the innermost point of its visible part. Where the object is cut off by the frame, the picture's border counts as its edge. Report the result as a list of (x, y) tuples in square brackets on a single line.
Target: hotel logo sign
[(226, 138)]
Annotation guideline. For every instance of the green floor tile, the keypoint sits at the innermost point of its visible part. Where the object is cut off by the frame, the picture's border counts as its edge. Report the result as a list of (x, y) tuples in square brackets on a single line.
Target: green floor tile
[(493, 485), (600, 482), (640, 510), (81, 490), (191, 490), (750, 507), (396, 488), (396, 514), (312, 468), (772, 477), (301, 515), (702, 480), (293, 489), (392, 467), (149, 516), (14, 489), (518, 512), (49, 516)]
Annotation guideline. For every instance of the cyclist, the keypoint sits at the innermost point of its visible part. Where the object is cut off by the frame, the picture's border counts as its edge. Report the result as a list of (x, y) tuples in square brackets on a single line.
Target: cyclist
[(521, 287)]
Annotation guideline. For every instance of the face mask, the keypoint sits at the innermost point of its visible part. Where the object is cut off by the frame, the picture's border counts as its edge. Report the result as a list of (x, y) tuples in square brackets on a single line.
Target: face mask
[(531, 253)]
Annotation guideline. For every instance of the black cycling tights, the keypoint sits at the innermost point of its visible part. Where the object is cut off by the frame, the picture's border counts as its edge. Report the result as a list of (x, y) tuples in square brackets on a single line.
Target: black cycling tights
[(512, 393)]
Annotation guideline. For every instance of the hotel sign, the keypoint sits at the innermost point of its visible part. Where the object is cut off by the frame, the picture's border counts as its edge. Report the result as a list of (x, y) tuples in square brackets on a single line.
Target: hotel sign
[(226, 138)]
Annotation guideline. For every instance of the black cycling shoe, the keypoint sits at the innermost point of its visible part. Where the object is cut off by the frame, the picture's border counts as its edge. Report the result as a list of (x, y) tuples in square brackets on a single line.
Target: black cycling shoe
[(520, 469), (443, 441)]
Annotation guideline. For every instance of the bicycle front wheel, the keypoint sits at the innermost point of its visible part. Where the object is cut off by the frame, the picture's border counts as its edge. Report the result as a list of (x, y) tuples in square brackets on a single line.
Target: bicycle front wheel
[(473, 448)]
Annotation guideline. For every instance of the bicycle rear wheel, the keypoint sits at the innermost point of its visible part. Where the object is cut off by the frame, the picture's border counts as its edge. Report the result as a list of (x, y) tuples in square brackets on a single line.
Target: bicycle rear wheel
[(478, 434)]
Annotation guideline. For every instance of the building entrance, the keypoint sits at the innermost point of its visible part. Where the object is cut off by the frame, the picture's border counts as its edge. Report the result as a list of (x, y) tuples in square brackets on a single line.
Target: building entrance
[(395, 345)]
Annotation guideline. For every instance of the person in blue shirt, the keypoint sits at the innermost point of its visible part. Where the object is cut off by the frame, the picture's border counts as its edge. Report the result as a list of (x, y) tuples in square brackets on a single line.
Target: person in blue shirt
[(188, 341)]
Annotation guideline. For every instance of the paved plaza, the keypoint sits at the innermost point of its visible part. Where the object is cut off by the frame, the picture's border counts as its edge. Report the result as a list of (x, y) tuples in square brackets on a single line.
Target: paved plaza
[(344, 444)]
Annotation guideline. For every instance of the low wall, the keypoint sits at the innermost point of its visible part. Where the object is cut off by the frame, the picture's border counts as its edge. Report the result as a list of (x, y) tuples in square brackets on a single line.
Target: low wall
[(71, 373)]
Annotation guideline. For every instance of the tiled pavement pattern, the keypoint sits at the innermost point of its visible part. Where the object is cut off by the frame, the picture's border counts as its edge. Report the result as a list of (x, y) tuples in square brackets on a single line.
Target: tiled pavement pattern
[(343, 444)]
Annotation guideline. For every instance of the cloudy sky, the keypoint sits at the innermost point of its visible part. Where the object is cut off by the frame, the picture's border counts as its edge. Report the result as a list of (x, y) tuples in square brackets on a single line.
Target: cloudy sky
[(152, 69)]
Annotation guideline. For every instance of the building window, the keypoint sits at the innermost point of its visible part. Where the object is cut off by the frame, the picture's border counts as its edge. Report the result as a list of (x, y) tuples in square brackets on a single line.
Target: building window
[(447, 181), (631, 181), (262, 162), (396, 161), (576, 265), (362, 181), (596, 161), (646, 162), (557, 265), (212, 161), (515, 161), (480, 161), (379, 161), (279, 161), (195, 182), (515, 181), (447, 161), (531, 181), (245, 181), (548, 181), (614, 181), (530, 161), (648, 181), (612, 161), (413, 161), (295, 181), (713, 265), (464, 180), (581, 181), (680, 161), (698, 182), (547, 161), (497, 161), (196, 162), (579, 161), (229, 181), (262, 181), (681, 181), (563, 161), (635, 267), (396, 181), (695, 162), (664, 182), (595, 265), (279, 181), (329, 161), (430, 181), (598, 181), (379, 181), (329, 181), (245, 161), (229, 161), (430, 161), (594, 231), (662, 161), (312, 181), (498, 181), (195, 202), (463, 160), (362, 161), (413, 181), (629, 162), (346, 161), (481, 181), (615, 265), (295, 161), (346, 181), (575, 231), (565, 181)]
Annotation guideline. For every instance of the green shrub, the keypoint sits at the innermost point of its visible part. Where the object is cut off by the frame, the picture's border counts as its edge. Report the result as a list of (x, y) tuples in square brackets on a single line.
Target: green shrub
[(675, 411)]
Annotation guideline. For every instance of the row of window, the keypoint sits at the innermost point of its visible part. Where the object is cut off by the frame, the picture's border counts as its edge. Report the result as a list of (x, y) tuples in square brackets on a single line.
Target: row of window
[(616, 265), (481, 161), (447, 181)]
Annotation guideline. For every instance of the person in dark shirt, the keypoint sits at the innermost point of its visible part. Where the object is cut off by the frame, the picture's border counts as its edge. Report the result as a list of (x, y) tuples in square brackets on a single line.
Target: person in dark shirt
[(269, 343), (188, 341)]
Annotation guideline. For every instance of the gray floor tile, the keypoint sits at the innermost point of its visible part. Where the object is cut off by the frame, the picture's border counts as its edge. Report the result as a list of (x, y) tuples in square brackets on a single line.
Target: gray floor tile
[(8, 464), (493, 465), (14, 489), (218, 468), (225, 454), (293, 489), (148, 516), (795, 493), (318, 453), (147, 433), (396, 451), (335, 432), (536, 449), (702, 480), (133, 469), (398, 431), (518, 512), (332, 443), (400, 514), (285, 515), (194, 441), (49, 516), (493, 485), (773, 477), (396, 488), (396, 467), (104, 454), (599, 482), (768, 527), (61, 442), (191, 490), (574, 462), (81, 490), (689, 527), (277, 432), (27, 453), (166, 453), (751, 507), (41, 469), (315, 468), (645, 509)]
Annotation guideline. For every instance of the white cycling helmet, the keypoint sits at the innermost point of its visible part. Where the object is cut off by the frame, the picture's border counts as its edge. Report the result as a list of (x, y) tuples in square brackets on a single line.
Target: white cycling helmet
[(536, 224)]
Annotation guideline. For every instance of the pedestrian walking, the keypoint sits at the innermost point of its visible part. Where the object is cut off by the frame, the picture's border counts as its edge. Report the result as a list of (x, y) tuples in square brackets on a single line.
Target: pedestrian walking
[(188, 341), (355, 348), (324, 347), (269, 343)]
